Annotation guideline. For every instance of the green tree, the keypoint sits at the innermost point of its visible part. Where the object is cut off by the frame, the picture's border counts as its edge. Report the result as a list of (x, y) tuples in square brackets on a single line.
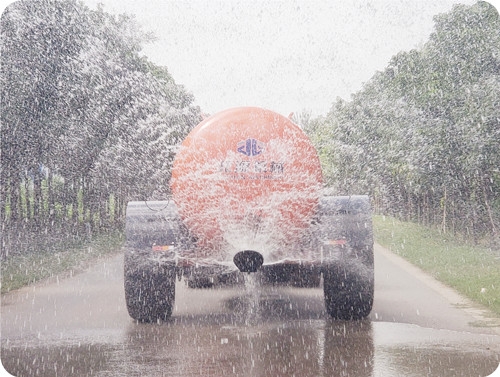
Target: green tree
[(422, 137), (74, 91)]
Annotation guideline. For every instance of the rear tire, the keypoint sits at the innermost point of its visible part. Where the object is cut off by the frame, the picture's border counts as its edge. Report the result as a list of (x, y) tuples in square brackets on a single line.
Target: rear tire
[(348, 263), (348, 295), (149, 290)]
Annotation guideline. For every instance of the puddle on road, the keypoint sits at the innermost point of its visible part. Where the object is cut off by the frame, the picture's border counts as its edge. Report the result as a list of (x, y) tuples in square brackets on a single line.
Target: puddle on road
[(299, 341), (279, 332), (410, 350)]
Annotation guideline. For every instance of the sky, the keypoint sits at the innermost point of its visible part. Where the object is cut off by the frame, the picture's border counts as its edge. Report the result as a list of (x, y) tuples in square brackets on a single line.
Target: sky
[(287, 56)]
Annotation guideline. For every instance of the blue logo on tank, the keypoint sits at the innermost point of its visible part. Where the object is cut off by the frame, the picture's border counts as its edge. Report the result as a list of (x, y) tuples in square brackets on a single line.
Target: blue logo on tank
[(250, 147)]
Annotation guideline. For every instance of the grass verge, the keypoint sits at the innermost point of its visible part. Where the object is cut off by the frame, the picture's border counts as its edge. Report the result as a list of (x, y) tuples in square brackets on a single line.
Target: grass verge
[(20, 270), (472, 270)]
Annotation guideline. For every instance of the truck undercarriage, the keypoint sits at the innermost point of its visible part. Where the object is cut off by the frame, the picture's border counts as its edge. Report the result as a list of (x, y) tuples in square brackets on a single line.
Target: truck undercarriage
[(335, 251)]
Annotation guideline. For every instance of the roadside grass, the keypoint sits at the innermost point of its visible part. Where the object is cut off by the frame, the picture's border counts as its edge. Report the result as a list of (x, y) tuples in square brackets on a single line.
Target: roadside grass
[(21, 270), (472, 270)]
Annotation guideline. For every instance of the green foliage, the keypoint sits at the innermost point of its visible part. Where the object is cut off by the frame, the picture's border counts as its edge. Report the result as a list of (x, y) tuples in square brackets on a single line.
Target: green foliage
[(84, 117), (423, 136)]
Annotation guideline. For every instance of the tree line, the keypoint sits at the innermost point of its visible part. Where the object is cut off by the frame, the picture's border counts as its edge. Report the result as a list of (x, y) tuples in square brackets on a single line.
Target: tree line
[(87, 123), (423, 136)]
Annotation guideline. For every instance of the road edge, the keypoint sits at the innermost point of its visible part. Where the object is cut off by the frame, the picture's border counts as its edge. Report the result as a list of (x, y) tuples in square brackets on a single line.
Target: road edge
[(484, 317)]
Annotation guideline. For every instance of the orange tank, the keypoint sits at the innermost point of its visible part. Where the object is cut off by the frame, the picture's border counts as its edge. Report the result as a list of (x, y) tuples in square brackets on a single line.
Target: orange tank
[(246, 178)]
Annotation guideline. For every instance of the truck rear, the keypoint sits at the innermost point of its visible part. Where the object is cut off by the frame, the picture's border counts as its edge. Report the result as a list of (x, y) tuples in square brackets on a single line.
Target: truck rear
[(247, 198)]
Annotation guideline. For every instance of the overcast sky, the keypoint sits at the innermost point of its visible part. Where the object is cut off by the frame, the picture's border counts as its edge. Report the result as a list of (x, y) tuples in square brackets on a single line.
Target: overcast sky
[(287, 56)]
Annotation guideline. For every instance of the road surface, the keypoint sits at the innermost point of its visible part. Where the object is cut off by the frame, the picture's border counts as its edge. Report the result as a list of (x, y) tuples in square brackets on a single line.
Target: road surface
[(79, 326)]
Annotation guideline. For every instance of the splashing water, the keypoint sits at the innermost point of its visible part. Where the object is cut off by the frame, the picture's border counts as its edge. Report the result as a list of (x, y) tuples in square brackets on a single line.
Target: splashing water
[(252, 298)]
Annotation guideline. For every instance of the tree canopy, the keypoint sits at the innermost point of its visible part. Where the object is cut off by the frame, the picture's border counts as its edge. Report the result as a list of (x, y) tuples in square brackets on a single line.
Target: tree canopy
[(423, 136), (86, 121)]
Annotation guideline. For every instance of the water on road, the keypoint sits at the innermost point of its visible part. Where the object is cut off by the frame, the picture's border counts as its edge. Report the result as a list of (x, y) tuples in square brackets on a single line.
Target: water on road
[(79, 326)]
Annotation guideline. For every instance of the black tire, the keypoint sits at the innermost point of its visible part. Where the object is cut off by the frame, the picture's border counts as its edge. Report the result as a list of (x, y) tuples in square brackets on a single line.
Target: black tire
[(348, 265), (149, 290), (348, 294)]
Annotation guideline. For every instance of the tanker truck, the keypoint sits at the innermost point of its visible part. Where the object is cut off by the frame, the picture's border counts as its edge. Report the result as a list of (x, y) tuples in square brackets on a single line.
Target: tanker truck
[(247, 197)]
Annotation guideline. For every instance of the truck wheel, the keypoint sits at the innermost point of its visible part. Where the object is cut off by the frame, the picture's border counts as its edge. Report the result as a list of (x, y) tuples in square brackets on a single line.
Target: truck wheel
[(348, 295), (149, 292)]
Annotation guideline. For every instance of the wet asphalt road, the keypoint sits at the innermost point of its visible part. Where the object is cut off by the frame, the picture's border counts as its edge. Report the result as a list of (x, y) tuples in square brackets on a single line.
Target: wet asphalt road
[(79, 326)]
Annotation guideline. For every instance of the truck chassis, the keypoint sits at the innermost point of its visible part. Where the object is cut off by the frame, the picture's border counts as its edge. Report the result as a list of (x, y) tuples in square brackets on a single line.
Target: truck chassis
[(336, 250)]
